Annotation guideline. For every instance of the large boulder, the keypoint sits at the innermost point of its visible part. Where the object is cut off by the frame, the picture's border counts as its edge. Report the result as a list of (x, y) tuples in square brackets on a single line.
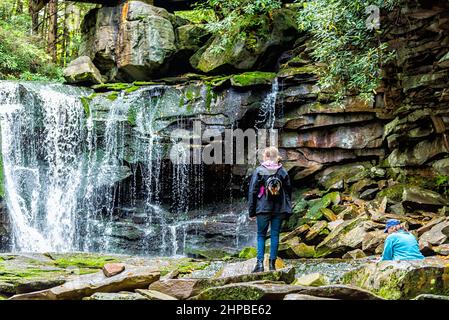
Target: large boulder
[(401, 279), (420, 198), (82, 71), (147, 40), (215, 57), (131, 41)]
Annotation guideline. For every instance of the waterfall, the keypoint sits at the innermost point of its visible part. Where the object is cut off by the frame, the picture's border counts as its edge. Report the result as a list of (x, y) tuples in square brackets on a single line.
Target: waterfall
[(97, 177), (42, 164), (267, 112)]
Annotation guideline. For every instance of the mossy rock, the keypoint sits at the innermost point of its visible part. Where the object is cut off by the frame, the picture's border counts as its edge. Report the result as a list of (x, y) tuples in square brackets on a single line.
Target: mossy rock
[(393, 193), (84, 260), (252, 79), (315, 211), (402, 279), (308, 70), (248, 253), (184, 266)]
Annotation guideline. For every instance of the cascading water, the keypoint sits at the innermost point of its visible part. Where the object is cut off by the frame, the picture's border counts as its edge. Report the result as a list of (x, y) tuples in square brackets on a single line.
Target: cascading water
[(267, 111), (97, 177), (42, 165)]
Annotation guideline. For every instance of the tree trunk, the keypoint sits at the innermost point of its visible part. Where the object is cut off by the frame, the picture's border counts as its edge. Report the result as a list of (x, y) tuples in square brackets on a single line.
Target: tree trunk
[(34, 17), (52, 28)]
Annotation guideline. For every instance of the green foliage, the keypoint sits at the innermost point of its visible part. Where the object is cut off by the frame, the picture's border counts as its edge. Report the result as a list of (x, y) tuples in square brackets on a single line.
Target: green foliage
[(248, 253), (442, 184), (350, 51), (21, 55), (198, 16), (237, 20)]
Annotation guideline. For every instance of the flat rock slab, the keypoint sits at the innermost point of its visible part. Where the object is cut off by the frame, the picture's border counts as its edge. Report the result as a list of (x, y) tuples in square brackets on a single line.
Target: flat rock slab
[(115, 296), (298, 296), (86, 285), (185, 288), (154, 295)]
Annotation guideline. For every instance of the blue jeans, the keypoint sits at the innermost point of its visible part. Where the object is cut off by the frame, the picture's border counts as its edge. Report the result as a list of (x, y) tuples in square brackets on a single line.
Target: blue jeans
[(263, 221)]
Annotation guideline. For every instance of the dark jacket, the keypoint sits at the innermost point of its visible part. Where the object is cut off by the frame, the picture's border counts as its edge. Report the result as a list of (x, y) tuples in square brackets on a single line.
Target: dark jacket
[(282, 204)]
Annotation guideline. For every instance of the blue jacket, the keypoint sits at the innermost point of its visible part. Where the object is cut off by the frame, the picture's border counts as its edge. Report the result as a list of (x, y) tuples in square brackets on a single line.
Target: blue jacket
[(401, 245)]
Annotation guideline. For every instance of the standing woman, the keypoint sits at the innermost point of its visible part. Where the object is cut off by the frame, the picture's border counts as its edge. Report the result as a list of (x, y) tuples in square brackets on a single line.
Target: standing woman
[(269, 202)]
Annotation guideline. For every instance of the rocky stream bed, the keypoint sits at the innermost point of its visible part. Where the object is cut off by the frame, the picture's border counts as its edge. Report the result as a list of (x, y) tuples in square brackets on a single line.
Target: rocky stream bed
[(76, 276)]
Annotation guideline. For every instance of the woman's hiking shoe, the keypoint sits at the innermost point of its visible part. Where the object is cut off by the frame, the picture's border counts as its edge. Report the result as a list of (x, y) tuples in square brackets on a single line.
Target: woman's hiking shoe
[(272, 265), (258, 267)]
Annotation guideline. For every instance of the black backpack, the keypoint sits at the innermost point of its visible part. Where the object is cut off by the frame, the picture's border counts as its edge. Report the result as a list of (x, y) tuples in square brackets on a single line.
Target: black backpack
[(273, 186)]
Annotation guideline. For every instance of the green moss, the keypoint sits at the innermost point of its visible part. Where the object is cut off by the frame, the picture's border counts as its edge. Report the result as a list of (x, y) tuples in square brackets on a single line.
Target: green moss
[(144, 83), (216, 82), (308, 69), (209, 97), (252, 78), (248, 253), (84, 261), (111, 86), (393, 193), (315, 211), (132, 89), (192, 267), (232, 292), (112, 96), (185, 265), (85, 101)]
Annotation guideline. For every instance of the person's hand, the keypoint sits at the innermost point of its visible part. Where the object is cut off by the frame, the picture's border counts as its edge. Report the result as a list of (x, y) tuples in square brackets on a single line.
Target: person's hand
[(252, 218)]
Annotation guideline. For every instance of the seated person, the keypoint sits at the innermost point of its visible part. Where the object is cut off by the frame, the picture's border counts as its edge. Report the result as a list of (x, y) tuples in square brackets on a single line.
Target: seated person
[(400, 244)]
